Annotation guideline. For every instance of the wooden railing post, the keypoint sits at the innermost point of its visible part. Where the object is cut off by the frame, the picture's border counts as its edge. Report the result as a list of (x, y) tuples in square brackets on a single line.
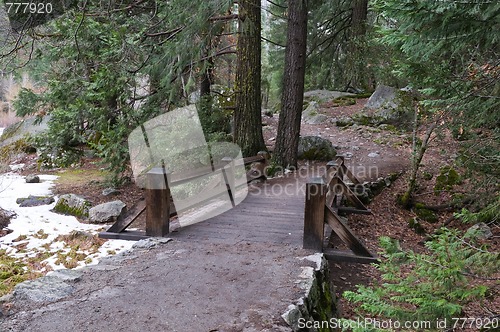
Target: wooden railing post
[(157, 203), (314, 214), (228, 174)]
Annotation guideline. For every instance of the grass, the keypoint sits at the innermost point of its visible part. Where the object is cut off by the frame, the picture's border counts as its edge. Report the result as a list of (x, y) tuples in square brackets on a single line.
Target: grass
[(75, 177), (14, 271)]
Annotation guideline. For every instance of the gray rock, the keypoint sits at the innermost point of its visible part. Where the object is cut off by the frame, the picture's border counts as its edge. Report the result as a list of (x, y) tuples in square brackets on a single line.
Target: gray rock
[(32, 178), (311, 114), (106, 212), (150, 242), (44, 289), (110, 192), (344, 122), (391, 105), (35, 201), (26, 127), (373, 155), (72, 204), (67, 275), (322, 96), (481, 231), (315, 148)]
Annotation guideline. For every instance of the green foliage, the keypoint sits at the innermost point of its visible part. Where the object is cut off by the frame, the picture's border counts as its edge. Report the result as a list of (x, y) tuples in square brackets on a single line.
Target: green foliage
[(447, 178), (428, 286), (445, 50), (425, 214), (12, 272), (107, 70), (487, 215)]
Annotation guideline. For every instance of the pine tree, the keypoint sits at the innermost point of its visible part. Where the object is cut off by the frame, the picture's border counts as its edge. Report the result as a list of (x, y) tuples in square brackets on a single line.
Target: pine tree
[(247, 117), (287, 140)]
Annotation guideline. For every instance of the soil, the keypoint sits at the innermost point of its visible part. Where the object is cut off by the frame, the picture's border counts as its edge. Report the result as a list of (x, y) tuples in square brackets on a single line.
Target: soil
[(388, 219)]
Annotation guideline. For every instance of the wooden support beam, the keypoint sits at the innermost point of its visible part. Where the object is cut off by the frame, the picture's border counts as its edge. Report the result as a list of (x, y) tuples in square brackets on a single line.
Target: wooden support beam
[(123, 222), (125, 235), (350, 210), (314, 214), (157, 203), (345, 234), (352, 196), (347, 256)]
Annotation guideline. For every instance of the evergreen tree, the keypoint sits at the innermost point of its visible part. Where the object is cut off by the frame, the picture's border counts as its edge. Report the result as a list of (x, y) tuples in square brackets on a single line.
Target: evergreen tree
[(247, 117), (287, 140), (447, 51)]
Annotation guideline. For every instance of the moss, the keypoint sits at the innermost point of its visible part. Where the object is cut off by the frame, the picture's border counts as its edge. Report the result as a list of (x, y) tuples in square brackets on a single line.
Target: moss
[(73, 211), (447, 178), (425, 214), (404, 200), (427, 176), (416, 226), (344, 101), (21, 145), (12, 272)]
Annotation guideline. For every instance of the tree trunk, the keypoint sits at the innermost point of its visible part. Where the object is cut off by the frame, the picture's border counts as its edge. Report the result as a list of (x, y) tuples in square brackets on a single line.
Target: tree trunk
[(359, 15), (247, 131), (287, 140), (356, 58)]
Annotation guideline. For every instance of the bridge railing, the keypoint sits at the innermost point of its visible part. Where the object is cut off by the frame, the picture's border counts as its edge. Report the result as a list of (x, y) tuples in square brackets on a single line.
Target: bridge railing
[(323, 206)]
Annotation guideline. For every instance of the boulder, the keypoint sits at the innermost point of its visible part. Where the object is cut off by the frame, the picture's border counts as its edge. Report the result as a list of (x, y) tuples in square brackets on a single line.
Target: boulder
[(481, 231), (311, 114), (322, 96), (106, 212), (32, 178), (110, 192), (44, 289), (25, 128), (35, 201), (391, 105), (72, 204), (316, 148)]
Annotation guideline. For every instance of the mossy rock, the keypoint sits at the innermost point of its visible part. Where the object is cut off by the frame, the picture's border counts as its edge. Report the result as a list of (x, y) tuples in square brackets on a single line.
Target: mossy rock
[(73, 205), (427, 176), (416, 226), (316, 148), (447, 178), (344, 101), (425, 214), (344, 122)]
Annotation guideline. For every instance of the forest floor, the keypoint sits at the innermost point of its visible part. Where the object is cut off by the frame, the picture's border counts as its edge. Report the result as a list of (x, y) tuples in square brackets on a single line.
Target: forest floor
[(372, 153)]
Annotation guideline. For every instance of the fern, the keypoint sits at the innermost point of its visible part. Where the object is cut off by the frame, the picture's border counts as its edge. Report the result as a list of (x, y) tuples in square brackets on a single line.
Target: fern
[(427, 286)]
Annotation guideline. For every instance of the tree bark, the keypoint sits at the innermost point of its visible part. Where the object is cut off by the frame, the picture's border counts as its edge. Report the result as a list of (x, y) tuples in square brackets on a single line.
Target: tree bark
[(247, 131), (359, 15), (287, 140), (356, 63)]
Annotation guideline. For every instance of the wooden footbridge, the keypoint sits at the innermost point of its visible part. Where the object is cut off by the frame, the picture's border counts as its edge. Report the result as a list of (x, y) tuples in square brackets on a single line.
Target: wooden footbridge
[(292, 210)]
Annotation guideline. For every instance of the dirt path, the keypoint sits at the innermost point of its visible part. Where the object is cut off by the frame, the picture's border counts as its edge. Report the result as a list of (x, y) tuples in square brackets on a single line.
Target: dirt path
[(177, 286)]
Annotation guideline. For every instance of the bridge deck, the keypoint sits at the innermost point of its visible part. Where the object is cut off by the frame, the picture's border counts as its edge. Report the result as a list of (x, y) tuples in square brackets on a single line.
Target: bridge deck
[(272, 212)]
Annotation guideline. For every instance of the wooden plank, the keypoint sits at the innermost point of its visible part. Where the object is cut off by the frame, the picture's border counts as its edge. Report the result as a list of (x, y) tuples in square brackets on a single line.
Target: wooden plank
[(347, 256), (352, 196), (314, 214), (345, 234), (157, 203), (124, 221), (125, 235), (349, 210)]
